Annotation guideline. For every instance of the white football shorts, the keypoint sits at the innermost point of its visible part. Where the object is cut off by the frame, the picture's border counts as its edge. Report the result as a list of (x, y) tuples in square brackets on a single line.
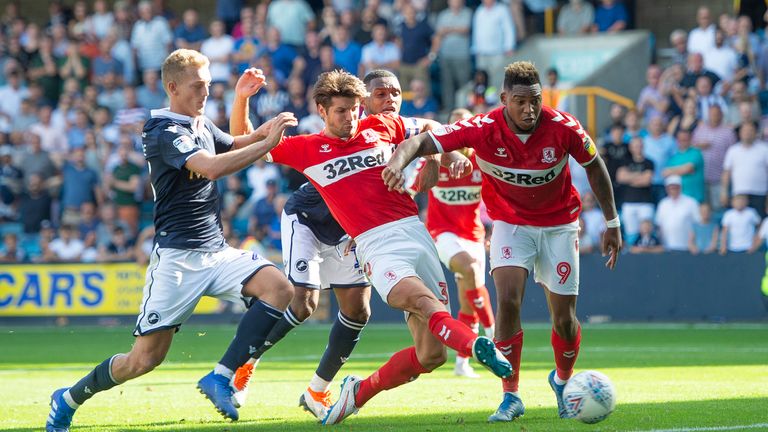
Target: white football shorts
[(449, 245), (400, 249), (177, 279), (552, 253), (310, 263)]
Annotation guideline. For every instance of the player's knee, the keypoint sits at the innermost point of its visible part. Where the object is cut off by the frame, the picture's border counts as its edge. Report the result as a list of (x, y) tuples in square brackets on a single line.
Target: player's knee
[(283, 292), (468, 270), (304, 307), (433, 359), (509, 303), (144, 363), (359, 314), (426, 305), (565, 326)]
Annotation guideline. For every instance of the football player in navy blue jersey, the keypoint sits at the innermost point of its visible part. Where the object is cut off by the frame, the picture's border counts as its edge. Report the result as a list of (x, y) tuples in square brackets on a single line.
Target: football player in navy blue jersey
[(186, 153)]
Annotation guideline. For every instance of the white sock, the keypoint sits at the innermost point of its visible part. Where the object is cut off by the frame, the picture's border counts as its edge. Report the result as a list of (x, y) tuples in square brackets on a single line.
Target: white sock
[(514, 393), (462, 361), (559, 381), (220, 369), (488, 332), (253, 361), (71, 402), (319, 385)]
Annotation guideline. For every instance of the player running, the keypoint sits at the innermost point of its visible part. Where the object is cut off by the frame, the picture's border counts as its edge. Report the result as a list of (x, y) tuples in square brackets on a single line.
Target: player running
[(522, 150), (316, 255), (186, 153), (393, 246), (453, 221)]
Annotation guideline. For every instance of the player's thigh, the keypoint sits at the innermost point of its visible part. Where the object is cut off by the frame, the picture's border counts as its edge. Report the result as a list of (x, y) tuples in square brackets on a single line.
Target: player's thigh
[(301, 253), (175, 282), (429, 349), (557, 264), (470, 255)]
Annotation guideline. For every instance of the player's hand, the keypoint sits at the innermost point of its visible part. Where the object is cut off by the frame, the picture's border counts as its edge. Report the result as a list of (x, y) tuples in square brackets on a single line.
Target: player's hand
[(280, 123), (458, 165), (393, 178), (350, 247), (250, 82), (611, 246)]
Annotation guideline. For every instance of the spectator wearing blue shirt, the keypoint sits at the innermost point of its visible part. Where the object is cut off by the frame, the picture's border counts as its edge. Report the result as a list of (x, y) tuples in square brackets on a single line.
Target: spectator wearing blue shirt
[(106, 63), (415, 40), (264, 213), (282, 55), (189, 34), (659, 147), (76, 131), (346, 52), (421, 104), (79, 184), (610, 17), (245, 49), (151, 94), (229, 12)]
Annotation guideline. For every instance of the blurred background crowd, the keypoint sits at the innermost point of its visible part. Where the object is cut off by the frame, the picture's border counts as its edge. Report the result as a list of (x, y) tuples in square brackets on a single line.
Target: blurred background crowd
[(689, 162)]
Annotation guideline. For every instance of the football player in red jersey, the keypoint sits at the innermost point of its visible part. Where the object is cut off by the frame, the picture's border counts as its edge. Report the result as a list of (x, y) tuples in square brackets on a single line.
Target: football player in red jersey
[(523, 149), (344, 162), (453, 221)]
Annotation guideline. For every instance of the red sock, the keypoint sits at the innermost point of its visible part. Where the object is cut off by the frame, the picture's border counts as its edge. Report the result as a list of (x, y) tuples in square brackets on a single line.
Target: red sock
[(452, 333), (512, 349), (565, 353), (401, 368), (470, 321), (481, 303)]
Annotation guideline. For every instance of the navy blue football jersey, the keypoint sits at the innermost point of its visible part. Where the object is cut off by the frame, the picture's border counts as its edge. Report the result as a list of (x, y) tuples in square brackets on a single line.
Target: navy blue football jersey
[(186, 209)]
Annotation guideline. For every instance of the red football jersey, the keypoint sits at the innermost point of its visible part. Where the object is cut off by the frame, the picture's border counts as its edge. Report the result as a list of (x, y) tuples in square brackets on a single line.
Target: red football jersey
[(453, 205), (526, 179), (347, 173)]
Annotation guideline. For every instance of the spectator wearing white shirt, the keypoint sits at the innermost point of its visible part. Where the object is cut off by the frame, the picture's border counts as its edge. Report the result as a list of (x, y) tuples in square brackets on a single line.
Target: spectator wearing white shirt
[(745, 169), (676, 215), (721, 58), (11, 96), (101, 20), (739, 226), (493, 39), (151, 38), (67, 247), (218, 48), (380, 53), (702, 38)]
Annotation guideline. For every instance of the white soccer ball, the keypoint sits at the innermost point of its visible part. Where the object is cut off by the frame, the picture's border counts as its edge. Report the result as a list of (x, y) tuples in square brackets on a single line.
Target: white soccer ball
[(589, 396)]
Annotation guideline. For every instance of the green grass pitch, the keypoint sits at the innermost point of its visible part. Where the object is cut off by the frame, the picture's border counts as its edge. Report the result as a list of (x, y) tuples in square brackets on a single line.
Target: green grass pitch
[(668, 377)]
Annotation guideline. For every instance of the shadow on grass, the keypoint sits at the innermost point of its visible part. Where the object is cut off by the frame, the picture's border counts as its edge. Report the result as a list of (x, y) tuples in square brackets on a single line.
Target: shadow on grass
[(724, 414)]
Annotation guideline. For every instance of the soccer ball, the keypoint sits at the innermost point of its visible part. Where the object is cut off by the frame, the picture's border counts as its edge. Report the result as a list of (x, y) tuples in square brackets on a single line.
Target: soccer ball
[(589, 396)]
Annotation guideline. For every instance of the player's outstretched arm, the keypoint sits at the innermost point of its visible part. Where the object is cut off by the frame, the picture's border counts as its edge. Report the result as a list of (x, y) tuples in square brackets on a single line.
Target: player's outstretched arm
[(407, 151), (214, 167), (249, 83), (600, 181)]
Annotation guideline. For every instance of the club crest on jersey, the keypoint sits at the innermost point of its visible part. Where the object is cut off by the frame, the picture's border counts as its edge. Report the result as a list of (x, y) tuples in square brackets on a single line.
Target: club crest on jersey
[(370, 136), (325, 148), (548, 155), (477, 176), (390, 275), (506, 252), (501, 152)]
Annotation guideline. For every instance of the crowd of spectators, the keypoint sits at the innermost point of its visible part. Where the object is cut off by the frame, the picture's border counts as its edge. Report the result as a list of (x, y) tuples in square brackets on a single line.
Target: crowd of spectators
[(76, 89), (690, 163)]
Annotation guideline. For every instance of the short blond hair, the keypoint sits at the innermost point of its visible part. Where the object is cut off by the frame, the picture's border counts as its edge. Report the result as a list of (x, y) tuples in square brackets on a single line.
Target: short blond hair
[(177, 62), (337, 83)]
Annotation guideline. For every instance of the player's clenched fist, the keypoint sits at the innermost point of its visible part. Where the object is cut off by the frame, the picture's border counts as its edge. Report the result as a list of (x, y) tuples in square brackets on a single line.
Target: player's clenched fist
[(250, 82)]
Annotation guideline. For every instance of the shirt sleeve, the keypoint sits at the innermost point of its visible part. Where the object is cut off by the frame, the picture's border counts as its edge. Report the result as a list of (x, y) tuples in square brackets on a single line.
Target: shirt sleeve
[(394, 127), (466, 133), (580, 144), (288, 153), (728, 161), (176, 146)]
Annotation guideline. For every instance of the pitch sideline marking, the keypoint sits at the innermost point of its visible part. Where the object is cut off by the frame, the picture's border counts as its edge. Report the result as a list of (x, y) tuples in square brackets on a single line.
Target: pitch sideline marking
[(710, 428)]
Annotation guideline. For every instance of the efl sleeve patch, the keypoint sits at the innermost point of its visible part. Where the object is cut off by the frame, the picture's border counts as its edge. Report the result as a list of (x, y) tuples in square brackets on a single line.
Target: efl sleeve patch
[(184, 144)]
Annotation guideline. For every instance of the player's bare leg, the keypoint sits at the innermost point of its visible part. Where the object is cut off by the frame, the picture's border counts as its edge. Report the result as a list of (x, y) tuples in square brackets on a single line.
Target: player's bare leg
[(510, 290), (427, 314), (146, 354), (566, 339), (471, 284), (354, 311), (271, 292)]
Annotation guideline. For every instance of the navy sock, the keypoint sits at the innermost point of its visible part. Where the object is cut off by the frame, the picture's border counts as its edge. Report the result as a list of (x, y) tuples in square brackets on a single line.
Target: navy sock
[(344, 336), (287, 323), (98, 380), (254, 327)]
